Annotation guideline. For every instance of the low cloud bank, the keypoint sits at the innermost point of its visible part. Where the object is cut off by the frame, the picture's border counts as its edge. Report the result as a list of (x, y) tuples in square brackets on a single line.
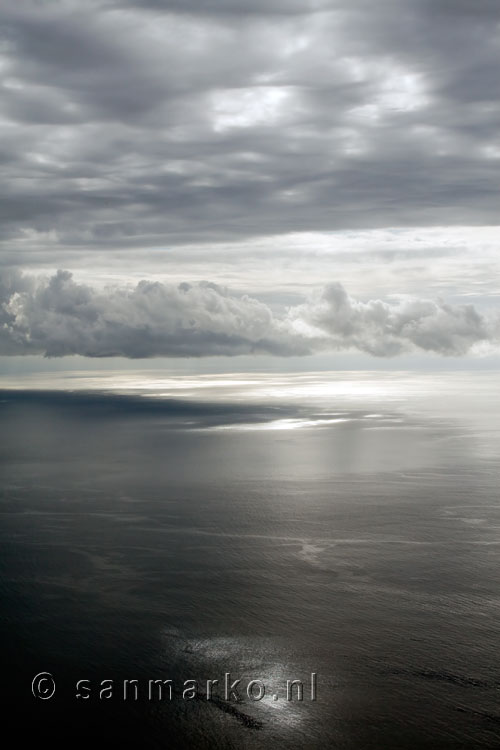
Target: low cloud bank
[(56, 316)]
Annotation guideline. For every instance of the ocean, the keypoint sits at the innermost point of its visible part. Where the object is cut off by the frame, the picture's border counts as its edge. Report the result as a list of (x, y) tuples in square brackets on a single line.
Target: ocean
[(333, 537)]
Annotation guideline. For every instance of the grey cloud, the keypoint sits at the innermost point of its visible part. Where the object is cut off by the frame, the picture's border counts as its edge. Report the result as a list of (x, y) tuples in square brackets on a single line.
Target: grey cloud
[(134, 124), (221, 7), (385, 329), (58, 316)]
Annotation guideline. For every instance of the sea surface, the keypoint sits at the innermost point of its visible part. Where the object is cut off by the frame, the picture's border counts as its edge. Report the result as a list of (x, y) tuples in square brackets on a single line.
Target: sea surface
[(341, 529)]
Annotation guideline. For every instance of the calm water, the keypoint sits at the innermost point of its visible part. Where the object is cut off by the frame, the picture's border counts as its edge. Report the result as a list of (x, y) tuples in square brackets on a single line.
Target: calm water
[(343, 525)]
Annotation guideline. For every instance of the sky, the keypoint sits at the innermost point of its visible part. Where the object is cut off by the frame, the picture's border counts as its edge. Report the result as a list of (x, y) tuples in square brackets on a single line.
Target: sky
[(310, 183)]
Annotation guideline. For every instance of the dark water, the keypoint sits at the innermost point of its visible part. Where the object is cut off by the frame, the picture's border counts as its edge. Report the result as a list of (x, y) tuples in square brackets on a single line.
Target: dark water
[(160, 539)]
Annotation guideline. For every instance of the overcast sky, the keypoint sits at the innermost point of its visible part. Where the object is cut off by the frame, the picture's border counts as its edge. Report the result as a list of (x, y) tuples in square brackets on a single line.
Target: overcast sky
[(279, 178)]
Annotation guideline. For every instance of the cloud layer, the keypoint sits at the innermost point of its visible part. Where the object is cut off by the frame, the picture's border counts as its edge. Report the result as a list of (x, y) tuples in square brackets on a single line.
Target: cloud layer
[(57, 316), (139, 123), (266, 145)]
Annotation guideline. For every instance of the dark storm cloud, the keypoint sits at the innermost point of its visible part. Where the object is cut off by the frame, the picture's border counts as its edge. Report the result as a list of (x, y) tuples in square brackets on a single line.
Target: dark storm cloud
[(132, 124), (57, 316)]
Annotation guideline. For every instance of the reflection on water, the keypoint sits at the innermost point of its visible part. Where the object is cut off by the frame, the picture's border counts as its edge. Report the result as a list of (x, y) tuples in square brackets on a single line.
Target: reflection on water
[(184, 538)]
